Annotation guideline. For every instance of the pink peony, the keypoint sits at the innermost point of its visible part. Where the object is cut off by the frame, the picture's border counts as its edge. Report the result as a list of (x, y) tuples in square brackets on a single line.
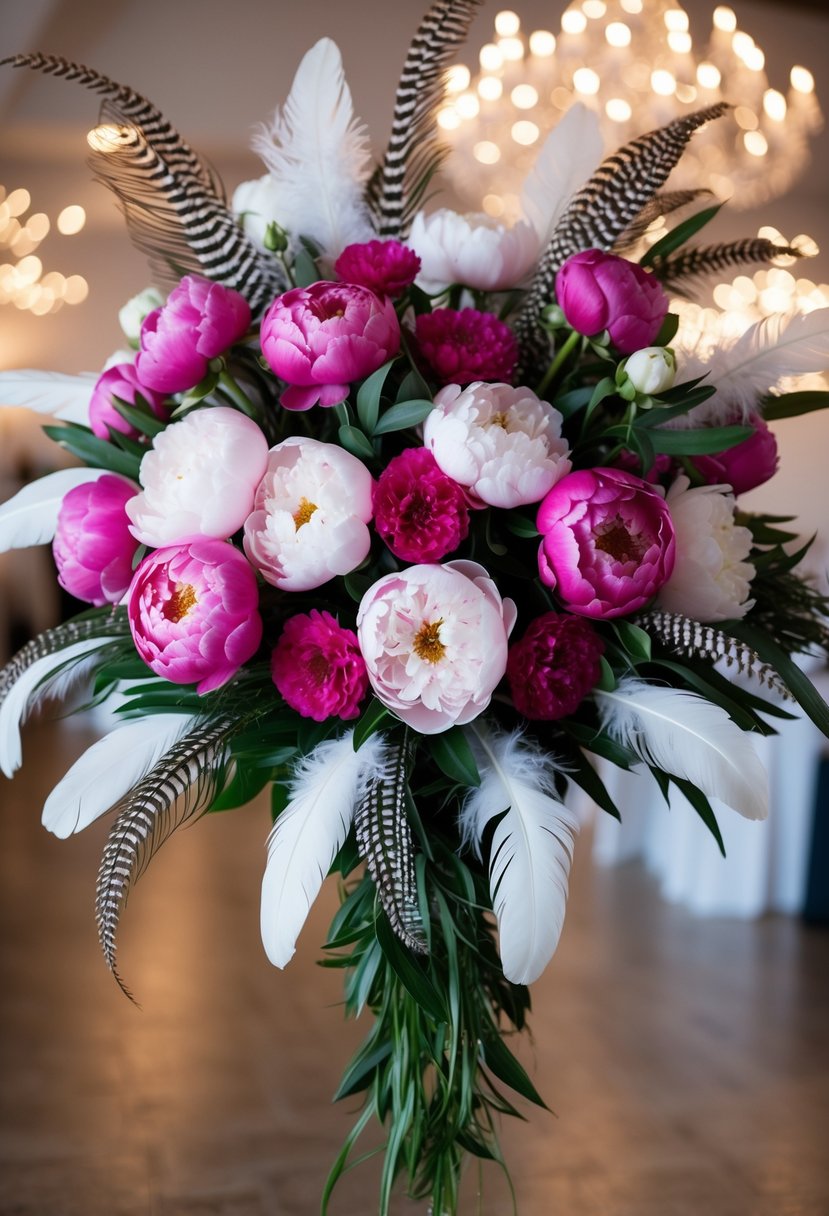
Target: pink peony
[(745, 466), (460, 347), (607, 542), (598, 291), (93, 546), (193, 612), (318, 668), (321, 339), (419, 512), (384, 267), (120, 381), (554, 666), (199, 321), (434, 639)]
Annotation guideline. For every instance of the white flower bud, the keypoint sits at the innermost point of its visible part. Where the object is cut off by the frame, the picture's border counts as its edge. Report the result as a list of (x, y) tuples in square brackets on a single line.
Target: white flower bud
[(131, 316), (651, 370)]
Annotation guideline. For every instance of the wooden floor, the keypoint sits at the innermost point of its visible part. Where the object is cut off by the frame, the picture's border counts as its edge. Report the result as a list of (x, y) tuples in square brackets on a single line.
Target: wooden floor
[(687, 1060)]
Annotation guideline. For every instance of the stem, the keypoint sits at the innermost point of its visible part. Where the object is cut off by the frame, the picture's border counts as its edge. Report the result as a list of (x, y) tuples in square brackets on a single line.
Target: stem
[(237, 395), (554, 367)]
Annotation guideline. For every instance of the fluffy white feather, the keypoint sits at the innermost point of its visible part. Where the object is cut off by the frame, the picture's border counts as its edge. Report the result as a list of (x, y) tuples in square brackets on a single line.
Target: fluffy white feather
[(532, 848), (109, 769), (318, 155), (30, 517), (688, 737), (63, 396), (566, 160), (308, 835)]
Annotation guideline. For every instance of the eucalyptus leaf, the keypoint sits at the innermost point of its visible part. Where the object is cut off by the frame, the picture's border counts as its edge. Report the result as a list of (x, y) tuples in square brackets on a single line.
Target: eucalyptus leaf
[(368, 397), (451, 752), (699, 441), (354, 441), (403, 415)]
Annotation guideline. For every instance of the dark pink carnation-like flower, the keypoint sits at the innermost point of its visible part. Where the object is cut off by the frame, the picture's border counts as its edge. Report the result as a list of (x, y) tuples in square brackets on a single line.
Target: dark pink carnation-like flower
[(385, 267), (93, 546), (598, 291), (122, 381), (460, 347), (745, 466), (318, 668), (199, 321), (420, 513), (554, 665)]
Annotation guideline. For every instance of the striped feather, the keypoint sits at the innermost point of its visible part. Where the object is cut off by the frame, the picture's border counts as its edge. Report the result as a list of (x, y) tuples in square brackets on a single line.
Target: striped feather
[(664, 203), (700, 261), (108, 623)]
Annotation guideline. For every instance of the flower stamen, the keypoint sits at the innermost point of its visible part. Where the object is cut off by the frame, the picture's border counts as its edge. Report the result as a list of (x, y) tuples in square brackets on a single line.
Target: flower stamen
[(304, 512), (427, 644), (614, 538), (180, 602)]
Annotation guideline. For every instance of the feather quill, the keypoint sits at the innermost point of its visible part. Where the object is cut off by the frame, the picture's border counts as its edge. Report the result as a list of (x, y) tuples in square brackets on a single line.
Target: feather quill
[(307, 836), (63, 396), (567, 159), (532, 847), (30, 517), (688, 737)]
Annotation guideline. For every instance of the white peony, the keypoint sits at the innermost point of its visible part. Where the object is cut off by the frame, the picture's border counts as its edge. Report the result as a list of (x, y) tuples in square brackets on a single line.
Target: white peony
[(711, 579), (199, 478), (255, 204), (503, 443), (131, 316), (471, 249)]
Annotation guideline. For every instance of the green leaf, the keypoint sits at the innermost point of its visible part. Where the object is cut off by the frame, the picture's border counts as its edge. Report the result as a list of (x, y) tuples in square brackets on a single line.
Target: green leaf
[(635, 641), (338, 1168), (402, 415), (244, 785), (355, 442), (357, 585), (141, 417), (593, 740), (699, 441), (368, 397), (360, 1071), (792, 405), (95, 452), (571, 402), (305, 269), (605, 388), (502, 1063), (413, 388), (798, 684), (714, 687), (373, 717), (453, 755), (519, 525), (702, 807), (607, 677), (667, 333), (679, 235), (410, 973), (582, 772)]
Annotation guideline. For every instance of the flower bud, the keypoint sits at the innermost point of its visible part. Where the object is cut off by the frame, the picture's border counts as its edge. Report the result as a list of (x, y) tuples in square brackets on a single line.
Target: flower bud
[(651, 370), (131, 316)]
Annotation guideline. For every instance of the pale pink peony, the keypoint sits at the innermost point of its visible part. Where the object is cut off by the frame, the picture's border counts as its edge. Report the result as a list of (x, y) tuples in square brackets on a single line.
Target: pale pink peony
[(93, 546), (420, 513), (503, 443), (318, 668), (598, 291), (193, 613), (554, 666), (321, 339), (434, 639), (745, 466), (310, 515), (121, 380), (385, 267), (199, 478), (475, 250), (459, 347), (607, 542)]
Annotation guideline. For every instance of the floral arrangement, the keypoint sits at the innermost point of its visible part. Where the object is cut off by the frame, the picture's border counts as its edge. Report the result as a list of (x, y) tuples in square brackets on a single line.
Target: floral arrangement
[(415, 521)]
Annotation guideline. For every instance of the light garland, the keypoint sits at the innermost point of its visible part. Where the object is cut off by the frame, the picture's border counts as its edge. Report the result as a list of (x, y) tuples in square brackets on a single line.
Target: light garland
[(24, 282)]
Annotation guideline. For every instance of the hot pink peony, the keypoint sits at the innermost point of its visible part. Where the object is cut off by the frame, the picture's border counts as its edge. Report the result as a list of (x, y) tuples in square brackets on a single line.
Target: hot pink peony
[(120, 381), (318, 668), (607, 542), (93, 546), (385, 267), (745, 466), (193, 612), (419, 512), (199, 321), (554, 666), (598, 291), (460, 347), (321, 339)]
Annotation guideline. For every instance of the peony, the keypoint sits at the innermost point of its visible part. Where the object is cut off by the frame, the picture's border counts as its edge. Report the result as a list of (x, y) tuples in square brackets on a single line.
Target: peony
[(199, 322), (419, 512), (93, 546), (120, 380), (255, 204), (607, 542), (598, 291), (131, 316), (310, 515), (317, 667), (502, 442), (199, 477), (434, 639), (745, 466), (385, 267), (468, 345), (651, 370), (193, 613), (712, 579), (321, 339), (554, 666), (475, 250)]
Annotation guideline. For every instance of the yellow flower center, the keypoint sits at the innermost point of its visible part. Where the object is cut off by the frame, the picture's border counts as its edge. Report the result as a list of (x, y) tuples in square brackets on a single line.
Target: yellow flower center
[(427, 644), (180, 602), (304, 512), (499, 419)]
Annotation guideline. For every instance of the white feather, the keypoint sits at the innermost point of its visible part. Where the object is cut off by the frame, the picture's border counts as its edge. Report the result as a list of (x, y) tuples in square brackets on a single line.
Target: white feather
[(24, 694), (566, 160), (308, 835), (318, 155), (532, 848), (62, 396), (109, 769), (30, 517), (688, 737)]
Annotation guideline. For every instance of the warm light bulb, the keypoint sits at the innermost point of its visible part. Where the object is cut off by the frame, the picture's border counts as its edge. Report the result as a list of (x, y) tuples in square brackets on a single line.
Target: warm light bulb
[(490, 88), (663, 82), (507, 23), (708, 75), (542, 43), (29, 270), (631, 6), (448, 118), (525, 132), (511, 48), (490, 57), (725, 19), (594, 9), (742, 43), (756, 143), (76, 290), (467, 105), (573, 21), (524, 96), (71, 220), (618, 110), (486, 152), (802, 80), (107, 138), (679, 42), (38, 226), (774, 104), (457, 78), (676, 19), (18, 202), (586, 81), (618, 34)]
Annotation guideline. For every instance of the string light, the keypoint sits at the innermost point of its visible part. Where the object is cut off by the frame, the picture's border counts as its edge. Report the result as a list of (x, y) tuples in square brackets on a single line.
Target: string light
[(23, 282)]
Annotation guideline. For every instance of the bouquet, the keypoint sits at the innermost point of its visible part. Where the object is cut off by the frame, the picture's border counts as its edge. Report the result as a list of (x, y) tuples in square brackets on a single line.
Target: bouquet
[(417, 523)]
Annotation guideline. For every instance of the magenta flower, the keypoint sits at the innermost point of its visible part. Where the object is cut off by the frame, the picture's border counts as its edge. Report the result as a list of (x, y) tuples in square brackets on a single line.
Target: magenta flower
[(318, 668), (607, 542), (745, 466), (93, 546), (120, 381), (460, 347), (321, 339), (598, 291), (199, 321), (419, 512), (554, 666), (385, 267), (193, 612)]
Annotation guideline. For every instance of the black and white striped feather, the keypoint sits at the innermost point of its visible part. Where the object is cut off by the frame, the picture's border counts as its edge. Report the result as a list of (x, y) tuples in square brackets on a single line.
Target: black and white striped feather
[(681, 271), (413, 154), (664, 203), (111, 624), (173, 203)]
